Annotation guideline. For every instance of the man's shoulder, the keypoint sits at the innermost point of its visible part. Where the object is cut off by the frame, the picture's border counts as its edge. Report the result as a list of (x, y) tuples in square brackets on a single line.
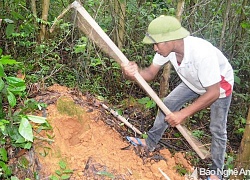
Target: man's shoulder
[(194, 39), (196, 45)]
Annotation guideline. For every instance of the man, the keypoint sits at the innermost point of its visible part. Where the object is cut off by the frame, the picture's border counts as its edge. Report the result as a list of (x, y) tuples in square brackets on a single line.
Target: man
[(207, 78)]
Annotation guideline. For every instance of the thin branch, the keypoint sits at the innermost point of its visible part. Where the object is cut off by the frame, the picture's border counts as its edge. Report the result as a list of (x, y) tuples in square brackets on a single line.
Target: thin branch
[(59, 17), (222, 2)]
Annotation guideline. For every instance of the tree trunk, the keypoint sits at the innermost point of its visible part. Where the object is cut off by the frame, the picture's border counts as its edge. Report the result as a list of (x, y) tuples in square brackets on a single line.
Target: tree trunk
[(164, 82), (34, 12), (225, 20), (243, 159), (180, 9), (33, 8), (120, 11), (45, 7)]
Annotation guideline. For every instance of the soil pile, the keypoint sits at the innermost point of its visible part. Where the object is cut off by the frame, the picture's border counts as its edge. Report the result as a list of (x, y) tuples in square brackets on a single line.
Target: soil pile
[(82, 146)]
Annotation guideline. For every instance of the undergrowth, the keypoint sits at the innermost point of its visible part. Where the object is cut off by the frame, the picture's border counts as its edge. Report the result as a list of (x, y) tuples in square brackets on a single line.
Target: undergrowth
[(17, 116)]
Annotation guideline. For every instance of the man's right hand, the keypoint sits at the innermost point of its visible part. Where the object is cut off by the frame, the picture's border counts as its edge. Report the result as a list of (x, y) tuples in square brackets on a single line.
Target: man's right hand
[(129, 69)]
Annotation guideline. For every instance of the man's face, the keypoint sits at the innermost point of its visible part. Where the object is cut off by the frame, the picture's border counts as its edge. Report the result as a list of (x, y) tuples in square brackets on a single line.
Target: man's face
[(163, 48)]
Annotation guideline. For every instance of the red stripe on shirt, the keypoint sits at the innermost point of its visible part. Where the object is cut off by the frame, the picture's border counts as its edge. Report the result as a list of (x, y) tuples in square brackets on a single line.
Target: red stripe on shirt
[(226, 86)]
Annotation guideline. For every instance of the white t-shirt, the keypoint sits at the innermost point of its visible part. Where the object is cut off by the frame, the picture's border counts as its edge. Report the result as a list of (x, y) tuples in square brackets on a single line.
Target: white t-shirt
[(203, 65)]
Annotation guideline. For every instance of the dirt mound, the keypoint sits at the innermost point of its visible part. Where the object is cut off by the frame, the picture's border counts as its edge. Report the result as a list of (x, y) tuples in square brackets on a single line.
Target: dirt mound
[(84, 147)]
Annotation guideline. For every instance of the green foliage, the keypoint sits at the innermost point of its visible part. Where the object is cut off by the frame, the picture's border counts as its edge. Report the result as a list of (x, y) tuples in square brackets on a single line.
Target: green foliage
[(147, 102), (5, 171), (20, 29), (63, 172), (201, 115), (177, 135), (15, 126), (180, 169), (9, 86), (144, 136), (198, 133), (229, 164), (239, 123)]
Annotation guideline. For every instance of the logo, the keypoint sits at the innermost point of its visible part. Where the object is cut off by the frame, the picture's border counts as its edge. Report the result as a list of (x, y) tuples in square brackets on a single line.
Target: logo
[(225, 173), (193, 176)]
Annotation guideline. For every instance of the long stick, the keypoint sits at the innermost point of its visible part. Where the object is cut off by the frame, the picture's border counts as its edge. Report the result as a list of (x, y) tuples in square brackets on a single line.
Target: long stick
[(164, 174), (121, 118), (88, 25)]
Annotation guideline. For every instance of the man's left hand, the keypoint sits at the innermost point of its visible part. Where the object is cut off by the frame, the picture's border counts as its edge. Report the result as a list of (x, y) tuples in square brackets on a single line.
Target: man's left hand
[(175, 118)]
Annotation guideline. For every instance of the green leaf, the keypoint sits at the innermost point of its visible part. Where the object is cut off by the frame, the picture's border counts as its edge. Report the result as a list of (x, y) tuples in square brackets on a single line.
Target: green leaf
[(230, 160), (3, 122), (101, 98), (15, 81), (243, 96), (11, 99), (2, 74), (177, 135), (17, 16), (245, 25), (236, 79), (20, 140), (25, 129), (6, 60), (150, 104), (58, 172), (14, 178), (16, 89), (198, 133), (5, 168), (144, 136), (1, 51), (27, 145), (1, 84), (8, 21), (68, 171), (62, 164), (9, 29), (105, 173), (53, 177), (147, 102), (80, 48), (241, 130), (65, 176), (143, 100), (37, 119), (3, 155)]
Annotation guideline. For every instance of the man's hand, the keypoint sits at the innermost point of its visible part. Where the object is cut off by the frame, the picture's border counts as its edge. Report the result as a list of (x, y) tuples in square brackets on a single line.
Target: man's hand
[(175, 118), (212, 94), (129, 69)]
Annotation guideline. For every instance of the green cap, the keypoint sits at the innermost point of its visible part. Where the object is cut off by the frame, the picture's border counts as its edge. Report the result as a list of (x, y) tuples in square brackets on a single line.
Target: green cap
[(165, 28)]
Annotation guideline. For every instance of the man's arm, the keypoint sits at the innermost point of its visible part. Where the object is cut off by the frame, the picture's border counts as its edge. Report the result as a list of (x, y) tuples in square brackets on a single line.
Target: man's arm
[(212, 94), (148, 73)]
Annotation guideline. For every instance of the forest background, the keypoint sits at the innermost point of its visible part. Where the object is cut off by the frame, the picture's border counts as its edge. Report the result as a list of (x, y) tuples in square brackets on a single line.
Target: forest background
[(68, 58)]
